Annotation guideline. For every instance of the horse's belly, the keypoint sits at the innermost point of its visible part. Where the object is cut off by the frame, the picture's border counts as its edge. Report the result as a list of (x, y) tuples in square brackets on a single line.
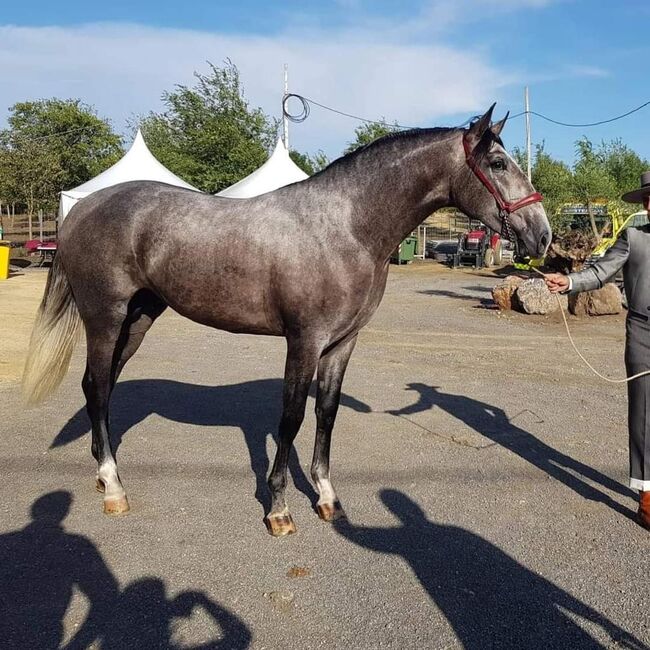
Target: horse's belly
[(239, 315)]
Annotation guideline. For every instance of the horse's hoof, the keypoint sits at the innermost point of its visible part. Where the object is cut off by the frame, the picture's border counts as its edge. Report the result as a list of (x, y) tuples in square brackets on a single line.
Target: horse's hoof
[(116, 506), (330, 511), (99, 486), (280, 525)]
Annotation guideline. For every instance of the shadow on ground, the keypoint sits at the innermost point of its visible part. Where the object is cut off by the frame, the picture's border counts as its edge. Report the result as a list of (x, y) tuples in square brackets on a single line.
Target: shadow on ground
[(489, 599), (483, 302), (41, 565), (252, 406), (493, 423)]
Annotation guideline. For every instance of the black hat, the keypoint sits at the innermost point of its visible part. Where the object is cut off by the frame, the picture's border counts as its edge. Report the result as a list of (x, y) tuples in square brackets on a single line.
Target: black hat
[(636, 196)]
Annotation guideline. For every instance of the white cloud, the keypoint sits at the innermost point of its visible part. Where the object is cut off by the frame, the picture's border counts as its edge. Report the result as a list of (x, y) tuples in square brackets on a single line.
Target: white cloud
[(587, 71), (122, 70)]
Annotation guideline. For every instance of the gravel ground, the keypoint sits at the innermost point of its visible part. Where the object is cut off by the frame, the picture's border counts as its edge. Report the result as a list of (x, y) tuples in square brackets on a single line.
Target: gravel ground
[(481, 466)]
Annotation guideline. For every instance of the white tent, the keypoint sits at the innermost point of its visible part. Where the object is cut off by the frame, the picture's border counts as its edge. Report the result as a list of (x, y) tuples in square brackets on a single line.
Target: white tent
[(279, 170), (137, 164)]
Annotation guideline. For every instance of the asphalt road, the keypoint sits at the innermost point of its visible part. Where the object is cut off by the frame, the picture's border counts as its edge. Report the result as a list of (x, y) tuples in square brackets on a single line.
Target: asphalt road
[(482, 468)]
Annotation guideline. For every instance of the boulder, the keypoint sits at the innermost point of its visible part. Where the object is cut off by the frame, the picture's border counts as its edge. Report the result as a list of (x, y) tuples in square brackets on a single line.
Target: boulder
[(503, 292), (607, 300), (533, 297)]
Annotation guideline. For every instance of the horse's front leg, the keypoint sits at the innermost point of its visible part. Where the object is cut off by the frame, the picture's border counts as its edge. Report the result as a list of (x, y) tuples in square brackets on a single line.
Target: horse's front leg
[(302, 357), (331, 370)]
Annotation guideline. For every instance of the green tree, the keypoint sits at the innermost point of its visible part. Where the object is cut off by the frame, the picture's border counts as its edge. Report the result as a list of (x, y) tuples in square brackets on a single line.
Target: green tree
[(69, 130), (208, 134), (591, 180), (623, 165), (368, 132), (551, 177), (8, 181), (554, 180), (51, 145), (309, 164)]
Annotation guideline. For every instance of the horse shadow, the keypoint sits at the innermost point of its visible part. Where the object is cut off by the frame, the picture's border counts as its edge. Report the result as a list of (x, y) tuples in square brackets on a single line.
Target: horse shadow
[(488, 598), (42, 564), (482, 302), (254, 407), (493, 423)]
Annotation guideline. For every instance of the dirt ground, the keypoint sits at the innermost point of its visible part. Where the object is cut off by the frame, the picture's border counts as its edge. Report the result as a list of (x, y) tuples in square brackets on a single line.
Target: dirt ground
[(20, 296), (482, 468)]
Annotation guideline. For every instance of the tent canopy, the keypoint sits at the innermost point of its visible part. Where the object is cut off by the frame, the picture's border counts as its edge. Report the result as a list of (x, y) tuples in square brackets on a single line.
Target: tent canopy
[(137, 164), (279, 170)]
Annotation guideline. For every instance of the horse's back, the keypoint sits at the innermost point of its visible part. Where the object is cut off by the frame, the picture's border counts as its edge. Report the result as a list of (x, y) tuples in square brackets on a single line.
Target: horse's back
[(258, 265)]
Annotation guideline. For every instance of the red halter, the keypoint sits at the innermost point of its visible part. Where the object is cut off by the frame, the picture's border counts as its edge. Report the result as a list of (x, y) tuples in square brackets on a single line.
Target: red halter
[(505, 207)]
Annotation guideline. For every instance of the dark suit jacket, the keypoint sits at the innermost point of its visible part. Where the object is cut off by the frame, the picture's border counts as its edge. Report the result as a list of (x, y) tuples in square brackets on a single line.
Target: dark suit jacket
[(630, 252)]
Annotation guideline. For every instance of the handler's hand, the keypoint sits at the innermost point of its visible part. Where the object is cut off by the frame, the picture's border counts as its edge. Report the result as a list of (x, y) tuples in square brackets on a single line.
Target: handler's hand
[(556, 282)]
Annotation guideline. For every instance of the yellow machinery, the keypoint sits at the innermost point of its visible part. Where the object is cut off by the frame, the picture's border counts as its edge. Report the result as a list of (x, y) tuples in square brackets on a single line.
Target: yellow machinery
[(619, 223)]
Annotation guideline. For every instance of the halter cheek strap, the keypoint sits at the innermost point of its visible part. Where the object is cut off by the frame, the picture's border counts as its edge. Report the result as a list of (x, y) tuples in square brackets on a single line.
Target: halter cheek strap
[(505, 207)]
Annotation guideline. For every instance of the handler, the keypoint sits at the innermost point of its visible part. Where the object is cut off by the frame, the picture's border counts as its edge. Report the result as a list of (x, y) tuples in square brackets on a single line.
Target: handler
[(630, 252)]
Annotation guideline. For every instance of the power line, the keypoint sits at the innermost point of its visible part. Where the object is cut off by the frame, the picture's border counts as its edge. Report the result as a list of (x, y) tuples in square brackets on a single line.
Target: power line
[(306, 101), (306, 110), (611, 119)]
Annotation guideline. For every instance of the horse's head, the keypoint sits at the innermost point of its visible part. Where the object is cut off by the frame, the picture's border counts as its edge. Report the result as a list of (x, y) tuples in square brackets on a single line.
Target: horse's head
[(491, 187)]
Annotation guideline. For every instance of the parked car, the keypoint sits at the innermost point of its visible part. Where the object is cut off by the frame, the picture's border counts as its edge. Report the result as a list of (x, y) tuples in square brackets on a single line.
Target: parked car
[(439, 250)]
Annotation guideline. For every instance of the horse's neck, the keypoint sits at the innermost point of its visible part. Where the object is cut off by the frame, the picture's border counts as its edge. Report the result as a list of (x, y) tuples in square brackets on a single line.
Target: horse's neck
[(390, 199)]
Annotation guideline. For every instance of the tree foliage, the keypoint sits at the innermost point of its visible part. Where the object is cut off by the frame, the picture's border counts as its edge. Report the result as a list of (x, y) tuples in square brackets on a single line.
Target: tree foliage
[(600, 175), (368, 132), (309, 164), (51, 145), (208, 134)]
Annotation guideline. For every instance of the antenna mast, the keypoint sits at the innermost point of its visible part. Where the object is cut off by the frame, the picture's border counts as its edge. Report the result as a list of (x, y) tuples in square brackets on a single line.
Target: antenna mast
[(528, 146), (285, 119)]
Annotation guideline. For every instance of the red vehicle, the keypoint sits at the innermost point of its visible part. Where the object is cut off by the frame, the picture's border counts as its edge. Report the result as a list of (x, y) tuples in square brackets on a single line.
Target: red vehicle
[(479, 247)]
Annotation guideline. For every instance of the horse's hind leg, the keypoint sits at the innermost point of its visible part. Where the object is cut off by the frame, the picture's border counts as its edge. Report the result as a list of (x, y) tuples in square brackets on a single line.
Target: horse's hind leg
[(110, 346), (97, 386), (331, 370), (302, 357)]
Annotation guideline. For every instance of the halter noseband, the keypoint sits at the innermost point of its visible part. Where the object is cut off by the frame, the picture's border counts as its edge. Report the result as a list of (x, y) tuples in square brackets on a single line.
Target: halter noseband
[(506, 208)]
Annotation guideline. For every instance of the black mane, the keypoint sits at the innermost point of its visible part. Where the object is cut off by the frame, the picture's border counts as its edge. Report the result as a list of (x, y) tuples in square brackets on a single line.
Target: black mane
[(433, 133)]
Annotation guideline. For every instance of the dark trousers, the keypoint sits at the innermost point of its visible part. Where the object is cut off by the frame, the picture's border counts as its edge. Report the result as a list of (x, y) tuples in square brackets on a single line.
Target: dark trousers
[(637, 359)]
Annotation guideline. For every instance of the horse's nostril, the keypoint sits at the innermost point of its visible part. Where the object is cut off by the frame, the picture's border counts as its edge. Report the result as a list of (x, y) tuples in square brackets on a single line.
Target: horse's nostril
[(544, 241)]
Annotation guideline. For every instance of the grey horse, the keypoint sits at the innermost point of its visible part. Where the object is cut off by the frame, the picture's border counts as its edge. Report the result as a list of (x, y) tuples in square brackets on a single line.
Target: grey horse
[(307, 262)]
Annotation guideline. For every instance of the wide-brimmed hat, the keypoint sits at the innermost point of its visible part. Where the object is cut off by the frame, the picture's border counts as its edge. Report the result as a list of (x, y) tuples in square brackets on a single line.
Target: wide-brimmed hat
[(636, 196)]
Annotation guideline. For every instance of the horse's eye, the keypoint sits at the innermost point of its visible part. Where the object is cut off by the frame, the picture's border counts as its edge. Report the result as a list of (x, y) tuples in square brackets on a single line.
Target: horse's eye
[(498, 165)]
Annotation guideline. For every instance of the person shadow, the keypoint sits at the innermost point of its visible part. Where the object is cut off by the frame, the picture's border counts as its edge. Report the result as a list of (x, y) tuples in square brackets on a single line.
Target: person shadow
[(493, 423), (144, 617), (254, 407), (42, 564), (488, 598)]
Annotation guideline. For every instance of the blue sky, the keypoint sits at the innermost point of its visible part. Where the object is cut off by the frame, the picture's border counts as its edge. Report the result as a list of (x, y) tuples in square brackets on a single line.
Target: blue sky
[(420, 63)]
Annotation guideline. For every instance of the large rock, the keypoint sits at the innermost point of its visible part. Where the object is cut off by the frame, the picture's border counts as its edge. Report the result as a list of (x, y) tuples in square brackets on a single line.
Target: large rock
[(533, 297), (504, 291), (607, 300)]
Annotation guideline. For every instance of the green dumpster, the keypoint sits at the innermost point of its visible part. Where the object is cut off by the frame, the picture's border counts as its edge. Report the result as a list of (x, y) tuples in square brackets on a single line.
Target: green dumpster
[(405, 252)]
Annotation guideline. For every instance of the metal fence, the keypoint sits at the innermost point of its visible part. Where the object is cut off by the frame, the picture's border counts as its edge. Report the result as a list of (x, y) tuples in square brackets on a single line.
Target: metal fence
[(442, 226), (17, 229)]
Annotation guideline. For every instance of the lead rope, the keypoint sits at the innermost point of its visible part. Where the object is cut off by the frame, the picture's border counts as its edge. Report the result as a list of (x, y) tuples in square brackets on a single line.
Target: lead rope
[(566, 324)]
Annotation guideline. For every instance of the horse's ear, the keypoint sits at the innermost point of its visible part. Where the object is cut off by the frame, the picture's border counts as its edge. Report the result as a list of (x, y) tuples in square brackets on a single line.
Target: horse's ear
[(478, 129), (498, 127)]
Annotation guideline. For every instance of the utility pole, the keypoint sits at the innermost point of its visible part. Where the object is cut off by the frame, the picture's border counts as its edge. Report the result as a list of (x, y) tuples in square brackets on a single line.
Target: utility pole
[(528, 147), (285, 119)]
